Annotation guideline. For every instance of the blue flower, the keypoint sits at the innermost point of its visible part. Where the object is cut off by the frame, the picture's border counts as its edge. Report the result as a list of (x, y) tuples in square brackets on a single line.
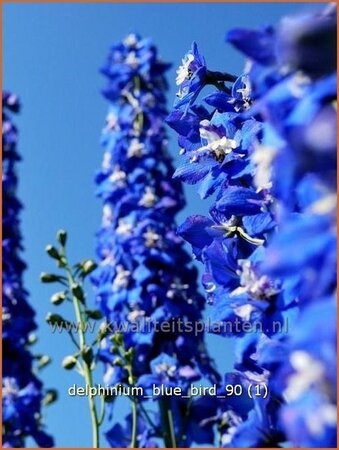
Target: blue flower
[(22, 391), (120, 435), (266, 149), (164, 371), (190, 77), (145, 281), (309, 378)]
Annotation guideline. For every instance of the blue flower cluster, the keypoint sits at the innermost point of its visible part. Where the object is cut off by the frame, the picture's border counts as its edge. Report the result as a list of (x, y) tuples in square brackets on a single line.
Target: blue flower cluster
[(145, 284), (264, 146), (21, 389)]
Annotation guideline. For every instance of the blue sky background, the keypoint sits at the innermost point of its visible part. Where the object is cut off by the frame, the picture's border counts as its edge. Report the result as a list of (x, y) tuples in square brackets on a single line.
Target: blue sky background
[(52, 53)]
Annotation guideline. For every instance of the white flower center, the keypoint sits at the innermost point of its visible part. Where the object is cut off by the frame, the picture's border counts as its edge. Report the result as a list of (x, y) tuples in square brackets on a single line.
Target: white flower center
[(176, 287), (6, 315), (124, 228), (165, 368), (183, 72), (308, 371), (118, 176), (152, 238), (149, 198), (130, 40), (111, 122), (263, 157), (9, 388), (219, 146), (258, 287), (121, 279), (107, 215), (246, 90), (133, 316), (132, 60), (106, 161), (135, 149)]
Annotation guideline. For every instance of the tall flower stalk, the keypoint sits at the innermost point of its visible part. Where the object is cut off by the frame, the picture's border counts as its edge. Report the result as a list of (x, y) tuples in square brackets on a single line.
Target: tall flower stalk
[(145, 285), (84, 357), (265, 146), (22, 391)]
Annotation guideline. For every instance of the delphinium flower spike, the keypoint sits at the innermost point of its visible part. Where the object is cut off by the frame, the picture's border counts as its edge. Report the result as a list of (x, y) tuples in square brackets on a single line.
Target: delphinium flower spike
[(145, 284), (267, 150), (22, 392)]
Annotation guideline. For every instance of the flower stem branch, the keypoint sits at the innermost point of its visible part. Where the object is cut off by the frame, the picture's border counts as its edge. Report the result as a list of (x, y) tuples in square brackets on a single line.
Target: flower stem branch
[(83, 360), (167, 423), (86, 366)]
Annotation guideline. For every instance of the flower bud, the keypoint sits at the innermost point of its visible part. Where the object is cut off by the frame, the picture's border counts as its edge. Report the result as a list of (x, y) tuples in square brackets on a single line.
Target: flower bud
[(62, 237), (118, 362), (114, 350), (52, 252), (58, 297), (77, 291), (94, 314), (32, 338), (130, 354), (103, 331), (56, 319), (44, 360), (87, 354), (50, 397), (88, 266), (69, 362), (117, 338), (49, 277)]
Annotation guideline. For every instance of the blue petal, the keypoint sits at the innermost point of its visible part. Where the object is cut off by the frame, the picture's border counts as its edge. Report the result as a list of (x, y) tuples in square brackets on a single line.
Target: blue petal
[(239, 201)]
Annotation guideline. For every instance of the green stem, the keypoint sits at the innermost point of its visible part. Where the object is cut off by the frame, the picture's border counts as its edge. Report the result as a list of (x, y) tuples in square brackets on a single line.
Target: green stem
[(85, 366), (102, 412), (93, 410), (186, 417), (73, 339), (134, 441), (134, 438), (167, 423), (147, 417)]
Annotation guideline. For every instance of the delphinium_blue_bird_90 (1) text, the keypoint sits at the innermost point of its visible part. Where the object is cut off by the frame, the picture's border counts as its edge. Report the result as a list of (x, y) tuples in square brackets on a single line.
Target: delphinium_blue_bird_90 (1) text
[(22, 392), (263, 146), (145, 284)]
